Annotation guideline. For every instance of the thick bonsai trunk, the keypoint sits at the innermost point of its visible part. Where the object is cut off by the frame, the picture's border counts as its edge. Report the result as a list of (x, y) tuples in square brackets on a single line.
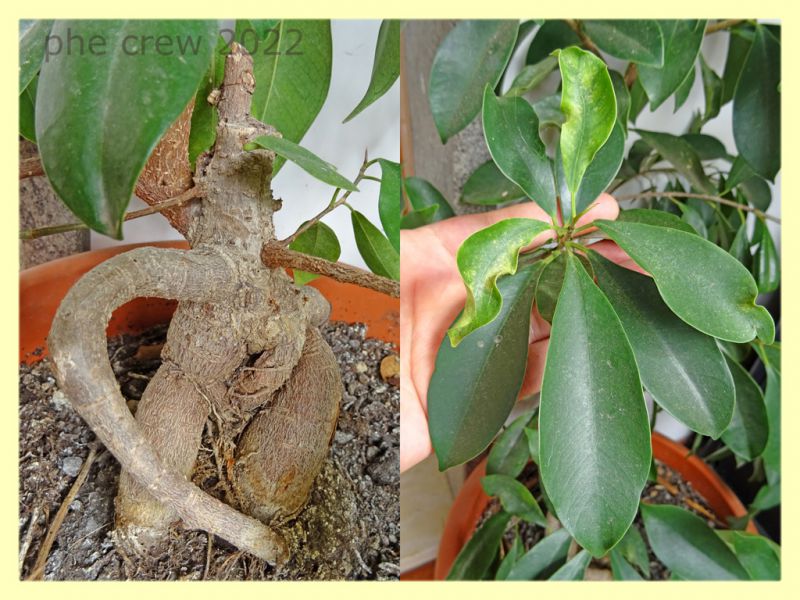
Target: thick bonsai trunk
[(242, 348)]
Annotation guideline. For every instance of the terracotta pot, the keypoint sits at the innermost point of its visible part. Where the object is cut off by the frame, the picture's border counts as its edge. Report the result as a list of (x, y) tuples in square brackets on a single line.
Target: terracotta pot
[(471, 500), (42, 288)]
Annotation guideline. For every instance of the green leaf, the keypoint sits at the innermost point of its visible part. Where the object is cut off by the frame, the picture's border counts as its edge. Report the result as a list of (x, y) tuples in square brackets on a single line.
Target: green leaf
[(27, 111), (32, 39), (594, 435), (419, 218), (658, 218), (515, 498), (768, 263), (712, 89), (512, 557), (552, 35), (717, 295), (769, 496), (511, 129), (305, 159), (682, 368), (684, 89), (532, 75), (747, 434), (639, 41), (621, 568), (203, 130), (385, 67), (705, 146), (543, 559), (772, 452), (575, 568), (489, 368), (587, 100), (548, 287), (756, 554), (634, 550), (482, 258), (682, 156), (318, 240), (687, 546), (623, 96), (757, 106), (533, 443), (638, 100), (422, 194), (251, 32), (293, 75), (693, 217), (509, 454), (682, 39), (472, 56), (376, 250), (740, 246), (548, 111), (390, 201), (738, 47), (94, 142), (477, 555), (487, 186), (602, 170)]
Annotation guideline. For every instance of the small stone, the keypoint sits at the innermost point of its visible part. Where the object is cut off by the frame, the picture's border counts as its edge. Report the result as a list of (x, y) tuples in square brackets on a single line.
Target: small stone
[(58, 400), (390, 369), (386, 470), (71, 465), (342, 437), (361, 367)]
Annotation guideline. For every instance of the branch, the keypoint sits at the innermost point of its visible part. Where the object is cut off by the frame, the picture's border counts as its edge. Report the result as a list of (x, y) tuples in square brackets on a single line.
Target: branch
[(631, 73), (585, 39), (190, 194), (724, 24), (278, 255), (30, 167), (717, 199)]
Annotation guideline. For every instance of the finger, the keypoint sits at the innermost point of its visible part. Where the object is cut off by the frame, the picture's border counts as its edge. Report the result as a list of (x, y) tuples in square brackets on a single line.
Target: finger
[(532, 381), (415, 442), (605, 207)]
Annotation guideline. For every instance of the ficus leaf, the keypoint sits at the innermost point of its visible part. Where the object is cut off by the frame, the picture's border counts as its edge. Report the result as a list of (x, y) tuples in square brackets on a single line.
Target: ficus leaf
[(682, 368), (717, 295), (32, 38), (98, 118), (318, 240), (687, 546), (738, 47), (684, 89), (203, 131), (422, 194), (756, 553), (639, 41), (482, 258), (772, 401), (748, 431), (622, 569), (472, 56), (552, 35), (419, 218), (543, 559), (682, 156), (768, 263), (511, 129), (516, 550), (390, 201), (489, 367), (515, 498), (594, 436), (27, 111), (634, 550), (706, 147), (509, 453), (487, 186), (712, 88), (623, 96), (654, 217), (376, 250), (590, 107), (477, 555), (532, 75), (575, 568), (385, 67)]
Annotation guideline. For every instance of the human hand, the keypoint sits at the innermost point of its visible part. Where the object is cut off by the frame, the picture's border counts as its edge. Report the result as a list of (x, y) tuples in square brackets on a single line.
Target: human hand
[(433, 293)]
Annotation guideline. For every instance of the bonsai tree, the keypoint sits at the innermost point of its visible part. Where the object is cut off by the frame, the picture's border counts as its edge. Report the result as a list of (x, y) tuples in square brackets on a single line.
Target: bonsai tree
[(198, 121), (678, 325)]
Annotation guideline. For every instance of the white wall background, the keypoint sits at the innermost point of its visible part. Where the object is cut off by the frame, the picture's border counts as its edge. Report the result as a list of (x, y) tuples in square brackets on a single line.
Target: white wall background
[(376, 129)]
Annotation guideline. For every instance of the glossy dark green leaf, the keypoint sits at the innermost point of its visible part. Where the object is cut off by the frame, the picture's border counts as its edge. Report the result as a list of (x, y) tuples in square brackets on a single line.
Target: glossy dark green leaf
[(756, 553), (717, 295), (682, 39), (27, 111), (687, 546), (692, 216), (292, 77), (622, 569), (471, 57), (757, 106), (550, 36), (623, 96), (738, 47), (748, 431), (250, 33), (712, 90), (422, 194), (513, 555), (705, 146), (740, 246), (682, 368), (385, 67), (515, 498), (306, 160), (532, 75), (477, 555), (548, 111), (489, 367), (634, 550), (374, 247), (32, 39), (318, 240), (682, 156), (482, 258), (639, 40), (548, 287), (602, 170), (203, 131), (390, 201), (772, 452), (684, 89), (543, 559), (590, 107), (511, 129), (488, 186), (419, 218), (532, 436), (768, 264), (769, 496), (509, 453), (592, 412), (98, 118), (658, 218), (575, 568)]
